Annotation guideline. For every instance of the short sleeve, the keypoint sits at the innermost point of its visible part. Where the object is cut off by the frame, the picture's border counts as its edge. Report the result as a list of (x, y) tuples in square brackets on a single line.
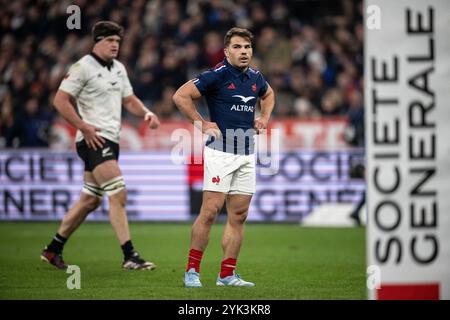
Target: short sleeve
[(127, 89), (206, 81), (263, 85), (74, 80)]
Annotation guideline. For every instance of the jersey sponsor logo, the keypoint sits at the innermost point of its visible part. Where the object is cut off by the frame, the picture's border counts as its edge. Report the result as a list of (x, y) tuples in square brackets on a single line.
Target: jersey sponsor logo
[(242, 107), (106, 152), (231, 86), (244, 99), (254, 87), (216, 180)]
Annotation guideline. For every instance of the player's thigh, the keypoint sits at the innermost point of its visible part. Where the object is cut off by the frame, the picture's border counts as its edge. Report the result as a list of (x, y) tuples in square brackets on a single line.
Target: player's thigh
[(106, 171), (238, 204), (213, 201), (99, 161), (91, 195), (89, 178), (219, 168), (244, 179), (109, 176)]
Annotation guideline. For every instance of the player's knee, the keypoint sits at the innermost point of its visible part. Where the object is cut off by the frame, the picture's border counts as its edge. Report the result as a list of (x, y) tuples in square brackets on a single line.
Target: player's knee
[(238, 217), (115, 189), (208, 217), (119, 198), (212, 207), (209, 212), (91, 190), (91, 203)]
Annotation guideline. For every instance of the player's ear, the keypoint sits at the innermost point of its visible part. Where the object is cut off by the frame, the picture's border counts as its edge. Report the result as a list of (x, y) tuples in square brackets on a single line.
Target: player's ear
[(225, 51)]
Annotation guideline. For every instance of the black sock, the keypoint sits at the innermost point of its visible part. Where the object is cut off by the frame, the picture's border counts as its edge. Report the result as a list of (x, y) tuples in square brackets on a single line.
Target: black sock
[(57, 244), (127, 249)]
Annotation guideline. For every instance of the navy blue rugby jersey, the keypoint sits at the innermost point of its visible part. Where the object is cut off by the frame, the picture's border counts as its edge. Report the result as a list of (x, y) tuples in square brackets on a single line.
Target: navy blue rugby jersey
[(231, 95)]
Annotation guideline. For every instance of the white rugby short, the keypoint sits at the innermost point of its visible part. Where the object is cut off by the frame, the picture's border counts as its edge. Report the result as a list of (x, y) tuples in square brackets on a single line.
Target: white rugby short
[(229, 173)]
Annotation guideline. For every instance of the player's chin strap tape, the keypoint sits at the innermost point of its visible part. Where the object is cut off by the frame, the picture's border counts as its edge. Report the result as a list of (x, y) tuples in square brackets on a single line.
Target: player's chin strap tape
[(92, 189), (113, 186)]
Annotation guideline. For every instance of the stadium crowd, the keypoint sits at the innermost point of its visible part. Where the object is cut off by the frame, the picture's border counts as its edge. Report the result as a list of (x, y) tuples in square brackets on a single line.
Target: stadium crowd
[(310, 52)]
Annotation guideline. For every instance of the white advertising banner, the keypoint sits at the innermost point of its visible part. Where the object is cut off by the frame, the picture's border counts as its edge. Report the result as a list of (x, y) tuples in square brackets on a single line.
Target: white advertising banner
[(407, 99), (43, 185)]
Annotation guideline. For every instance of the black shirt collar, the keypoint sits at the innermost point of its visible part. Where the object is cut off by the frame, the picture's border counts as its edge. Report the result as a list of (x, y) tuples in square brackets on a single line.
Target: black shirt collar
[(236, 71), (109, 65)]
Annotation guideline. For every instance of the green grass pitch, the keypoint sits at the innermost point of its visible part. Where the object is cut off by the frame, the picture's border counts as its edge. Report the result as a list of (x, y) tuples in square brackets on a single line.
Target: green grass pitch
[(285, 262)]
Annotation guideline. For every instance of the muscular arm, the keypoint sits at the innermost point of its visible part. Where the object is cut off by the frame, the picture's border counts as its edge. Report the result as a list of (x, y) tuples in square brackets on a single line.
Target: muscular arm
[(184, 100), (63, 104), (65, 107), (267, 103), (135, 105)]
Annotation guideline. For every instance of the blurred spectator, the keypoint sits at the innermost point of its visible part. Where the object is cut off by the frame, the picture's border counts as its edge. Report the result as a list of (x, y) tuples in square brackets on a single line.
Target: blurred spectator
[(30, 129), (331, 104), (310, 51), (165, 107), (355, 131), (213, 48), (274, 51)]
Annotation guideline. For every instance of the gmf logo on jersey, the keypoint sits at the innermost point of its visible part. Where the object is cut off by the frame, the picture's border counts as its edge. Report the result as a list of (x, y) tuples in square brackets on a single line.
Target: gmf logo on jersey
[(216, 180)]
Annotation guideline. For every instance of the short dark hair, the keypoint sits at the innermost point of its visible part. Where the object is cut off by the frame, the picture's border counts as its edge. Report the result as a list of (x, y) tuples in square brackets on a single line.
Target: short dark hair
[(244, 33), (103, 29)]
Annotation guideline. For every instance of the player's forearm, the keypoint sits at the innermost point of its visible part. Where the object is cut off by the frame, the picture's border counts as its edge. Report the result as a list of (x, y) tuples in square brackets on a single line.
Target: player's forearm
[(186, 105), (267, 104), (134, 105)]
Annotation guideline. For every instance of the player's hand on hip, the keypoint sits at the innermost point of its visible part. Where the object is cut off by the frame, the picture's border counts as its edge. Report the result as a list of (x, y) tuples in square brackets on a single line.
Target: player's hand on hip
[(90, 136), (211, 128), (152, 119), (260, 124)]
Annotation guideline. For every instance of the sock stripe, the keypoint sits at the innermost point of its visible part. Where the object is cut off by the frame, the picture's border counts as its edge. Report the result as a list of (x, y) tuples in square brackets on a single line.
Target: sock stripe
[(56, 239), (194, 260), (57, 243), (227, 267)]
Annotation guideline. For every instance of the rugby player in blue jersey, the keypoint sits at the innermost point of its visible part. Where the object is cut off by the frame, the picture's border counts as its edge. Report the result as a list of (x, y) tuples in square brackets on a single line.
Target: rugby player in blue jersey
[(231, 91)]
